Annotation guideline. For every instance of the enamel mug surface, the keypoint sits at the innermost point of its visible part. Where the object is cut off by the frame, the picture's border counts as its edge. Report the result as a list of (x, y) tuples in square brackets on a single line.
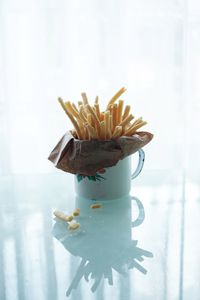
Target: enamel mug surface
[(109, 183)]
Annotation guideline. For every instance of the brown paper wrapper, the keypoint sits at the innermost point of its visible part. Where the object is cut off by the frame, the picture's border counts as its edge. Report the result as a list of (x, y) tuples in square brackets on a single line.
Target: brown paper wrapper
[(87, 157)]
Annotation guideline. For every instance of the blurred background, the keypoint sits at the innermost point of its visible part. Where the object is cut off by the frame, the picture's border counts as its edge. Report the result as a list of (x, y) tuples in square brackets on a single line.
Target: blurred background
[(51, 48), (62, 48)]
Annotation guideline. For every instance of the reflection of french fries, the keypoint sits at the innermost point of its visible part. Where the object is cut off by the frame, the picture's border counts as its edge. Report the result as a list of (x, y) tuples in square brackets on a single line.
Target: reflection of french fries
[(91, 123)]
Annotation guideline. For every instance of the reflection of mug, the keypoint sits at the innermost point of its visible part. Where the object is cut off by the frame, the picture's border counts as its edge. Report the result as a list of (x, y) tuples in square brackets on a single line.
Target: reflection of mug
[(104, 241), (109, 183)]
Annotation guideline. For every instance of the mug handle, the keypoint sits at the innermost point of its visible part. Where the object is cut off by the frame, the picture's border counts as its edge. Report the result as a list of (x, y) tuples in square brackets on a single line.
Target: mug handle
[(140, 164)]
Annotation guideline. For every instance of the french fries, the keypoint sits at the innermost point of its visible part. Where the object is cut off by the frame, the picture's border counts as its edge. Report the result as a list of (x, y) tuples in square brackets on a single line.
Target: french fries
[(119, 111), (116, 96), (103, 130), (91, 123), (126, 112)]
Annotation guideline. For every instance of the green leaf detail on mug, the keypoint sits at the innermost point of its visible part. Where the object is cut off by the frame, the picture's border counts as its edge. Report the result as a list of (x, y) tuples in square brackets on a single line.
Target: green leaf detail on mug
[(96, 177)]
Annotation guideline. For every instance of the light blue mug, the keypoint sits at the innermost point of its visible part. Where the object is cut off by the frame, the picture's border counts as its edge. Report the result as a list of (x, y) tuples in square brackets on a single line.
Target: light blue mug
[(109, 183)]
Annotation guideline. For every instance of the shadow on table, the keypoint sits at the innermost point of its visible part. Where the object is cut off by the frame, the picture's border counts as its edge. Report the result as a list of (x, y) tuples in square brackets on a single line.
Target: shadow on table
[(104, 240)]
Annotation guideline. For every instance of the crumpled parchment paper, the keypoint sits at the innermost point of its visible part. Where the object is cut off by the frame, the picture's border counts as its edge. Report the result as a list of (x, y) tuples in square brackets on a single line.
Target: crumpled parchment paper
[(87, 157)]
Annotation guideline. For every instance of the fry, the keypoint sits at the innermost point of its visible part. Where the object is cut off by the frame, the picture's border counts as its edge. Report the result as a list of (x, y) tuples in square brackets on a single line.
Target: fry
[(78, 131), (117, 132), (137, 121), (97, 100), (75, 107), (103, 130), (102, 116), (111, 110), (126, 112), (89, 108), (97, 110), (83, 112), (114, 115), (73, 226), (116, 96), (80, 103), (119, 111), (60, 100), (82, 116), (62, 216), (85, 99), (76, 212), (87, 136), (96, 205), (81, 126), (127, 120), (73, 111), (89, 119), (133, 129), (92, 131), (73, 132), (107, 124), (111, 123)]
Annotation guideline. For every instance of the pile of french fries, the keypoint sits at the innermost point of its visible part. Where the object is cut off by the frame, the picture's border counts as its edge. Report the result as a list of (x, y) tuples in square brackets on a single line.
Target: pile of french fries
[(91, 123)]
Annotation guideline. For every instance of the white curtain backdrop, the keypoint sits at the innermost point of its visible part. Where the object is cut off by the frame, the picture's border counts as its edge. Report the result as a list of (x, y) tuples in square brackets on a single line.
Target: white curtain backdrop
[(57, 48)]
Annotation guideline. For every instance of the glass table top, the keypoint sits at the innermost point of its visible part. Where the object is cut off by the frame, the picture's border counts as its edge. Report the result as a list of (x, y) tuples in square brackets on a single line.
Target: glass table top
[(144, 246)]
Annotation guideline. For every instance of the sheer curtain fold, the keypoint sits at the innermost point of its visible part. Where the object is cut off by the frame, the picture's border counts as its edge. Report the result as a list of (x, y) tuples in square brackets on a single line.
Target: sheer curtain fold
[(50, 49)]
